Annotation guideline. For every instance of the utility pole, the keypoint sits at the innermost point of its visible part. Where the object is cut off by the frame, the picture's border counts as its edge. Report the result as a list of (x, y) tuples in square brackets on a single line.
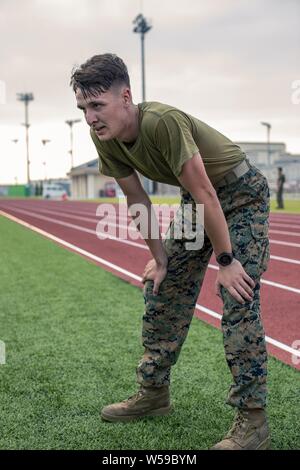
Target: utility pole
[(26, 98), (142, 27), (70, 123), (268, 126)]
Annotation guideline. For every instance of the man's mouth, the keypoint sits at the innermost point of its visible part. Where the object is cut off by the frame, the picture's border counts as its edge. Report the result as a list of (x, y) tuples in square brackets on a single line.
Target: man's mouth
[(100, 128)]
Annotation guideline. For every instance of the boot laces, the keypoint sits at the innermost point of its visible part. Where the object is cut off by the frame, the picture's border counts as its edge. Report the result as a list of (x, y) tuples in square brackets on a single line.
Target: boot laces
[(238, 427), (135, 396)]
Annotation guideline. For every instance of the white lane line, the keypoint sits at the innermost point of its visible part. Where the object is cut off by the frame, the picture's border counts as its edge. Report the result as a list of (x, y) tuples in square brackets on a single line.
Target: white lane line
[(286, 260), (78, 227), (280, 242), (72, 205), (67, 213), (127, 219), (69, 245), (270, 340), (269, 283), (286, 218), (131, 227), (280, 286), (137, 245), (280, 224), (131, 275), (283, 232), (60, 213)]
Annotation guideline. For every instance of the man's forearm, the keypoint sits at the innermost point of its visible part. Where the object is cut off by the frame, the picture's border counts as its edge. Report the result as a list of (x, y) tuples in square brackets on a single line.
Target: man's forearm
[(149, 228)]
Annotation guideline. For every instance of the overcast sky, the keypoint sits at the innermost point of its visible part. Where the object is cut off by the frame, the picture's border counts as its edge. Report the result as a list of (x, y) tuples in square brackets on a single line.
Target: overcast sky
[(231, 63)]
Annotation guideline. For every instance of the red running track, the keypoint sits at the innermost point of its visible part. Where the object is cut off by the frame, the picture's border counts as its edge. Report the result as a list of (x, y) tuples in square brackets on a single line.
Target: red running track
[(75, 223)]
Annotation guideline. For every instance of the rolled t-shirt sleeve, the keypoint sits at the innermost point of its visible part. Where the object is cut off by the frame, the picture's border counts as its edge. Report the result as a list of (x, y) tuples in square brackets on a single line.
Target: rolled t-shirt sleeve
[(174, 139), (108, 164)]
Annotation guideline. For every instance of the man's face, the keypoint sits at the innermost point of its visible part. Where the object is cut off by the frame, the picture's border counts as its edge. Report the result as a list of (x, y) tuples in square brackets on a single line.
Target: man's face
[(106, 113)]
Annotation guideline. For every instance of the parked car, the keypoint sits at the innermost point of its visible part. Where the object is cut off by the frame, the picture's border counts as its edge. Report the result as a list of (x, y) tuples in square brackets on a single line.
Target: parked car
[(53, 191), (110, 189)]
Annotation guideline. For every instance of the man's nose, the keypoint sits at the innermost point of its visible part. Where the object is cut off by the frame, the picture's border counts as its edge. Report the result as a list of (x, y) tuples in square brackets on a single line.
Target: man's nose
[(90, 117)]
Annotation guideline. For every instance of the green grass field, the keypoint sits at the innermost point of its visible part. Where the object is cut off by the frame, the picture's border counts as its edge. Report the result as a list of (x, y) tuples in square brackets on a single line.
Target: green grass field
[(290, 206), (72, 335)]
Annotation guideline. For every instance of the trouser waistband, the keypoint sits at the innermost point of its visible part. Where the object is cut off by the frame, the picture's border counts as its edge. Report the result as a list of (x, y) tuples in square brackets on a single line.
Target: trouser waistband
[(234, 174)]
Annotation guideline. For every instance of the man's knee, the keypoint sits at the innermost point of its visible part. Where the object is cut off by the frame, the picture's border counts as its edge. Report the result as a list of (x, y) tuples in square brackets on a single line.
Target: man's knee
[(234, 312)]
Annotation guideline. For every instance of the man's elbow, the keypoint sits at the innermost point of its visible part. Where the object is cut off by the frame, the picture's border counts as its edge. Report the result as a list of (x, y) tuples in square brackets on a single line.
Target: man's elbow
[(206, 194)]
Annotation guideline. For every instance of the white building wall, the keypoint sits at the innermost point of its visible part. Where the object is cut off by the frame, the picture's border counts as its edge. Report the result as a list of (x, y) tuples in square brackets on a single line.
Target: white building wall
[(79, 187), (258, 152), (91, 186)]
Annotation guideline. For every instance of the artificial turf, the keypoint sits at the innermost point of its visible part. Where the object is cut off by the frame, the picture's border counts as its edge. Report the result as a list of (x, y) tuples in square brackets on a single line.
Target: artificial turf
[(72, 336)]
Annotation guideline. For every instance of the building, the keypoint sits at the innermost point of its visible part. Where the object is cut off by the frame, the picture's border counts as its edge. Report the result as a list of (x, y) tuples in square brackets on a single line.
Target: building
[(267, 158), (88, 183), (258, 152)]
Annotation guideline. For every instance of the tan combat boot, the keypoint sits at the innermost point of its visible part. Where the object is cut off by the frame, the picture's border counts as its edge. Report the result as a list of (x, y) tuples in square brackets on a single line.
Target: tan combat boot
[(148, 401), (250, 431)]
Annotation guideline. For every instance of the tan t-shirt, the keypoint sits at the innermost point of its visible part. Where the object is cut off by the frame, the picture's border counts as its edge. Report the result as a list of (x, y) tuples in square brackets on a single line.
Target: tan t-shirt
[(168, 138)]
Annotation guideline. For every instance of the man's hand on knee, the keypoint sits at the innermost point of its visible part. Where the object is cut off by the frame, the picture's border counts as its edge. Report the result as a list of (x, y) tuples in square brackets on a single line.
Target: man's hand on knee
[(235, 279), (156, 272)]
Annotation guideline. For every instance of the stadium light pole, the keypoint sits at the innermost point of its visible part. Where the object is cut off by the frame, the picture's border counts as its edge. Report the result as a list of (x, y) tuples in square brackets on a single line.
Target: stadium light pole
[(15, 141), (26, 98), (44, 142), (70, 123), (142, 27), (268, 126)]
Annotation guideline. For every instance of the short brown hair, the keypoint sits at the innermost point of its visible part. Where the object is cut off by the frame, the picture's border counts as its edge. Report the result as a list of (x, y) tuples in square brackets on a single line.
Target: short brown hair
[(99, 73)]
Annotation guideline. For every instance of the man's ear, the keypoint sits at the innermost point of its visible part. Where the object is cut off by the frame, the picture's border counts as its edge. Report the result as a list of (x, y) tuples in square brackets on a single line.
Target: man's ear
[(127, 97)]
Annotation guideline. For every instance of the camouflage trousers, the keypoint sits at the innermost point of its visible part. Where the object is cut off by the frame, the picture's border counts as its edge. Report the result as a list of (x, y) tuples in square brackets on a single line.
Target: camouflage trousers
[(167, 316)]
